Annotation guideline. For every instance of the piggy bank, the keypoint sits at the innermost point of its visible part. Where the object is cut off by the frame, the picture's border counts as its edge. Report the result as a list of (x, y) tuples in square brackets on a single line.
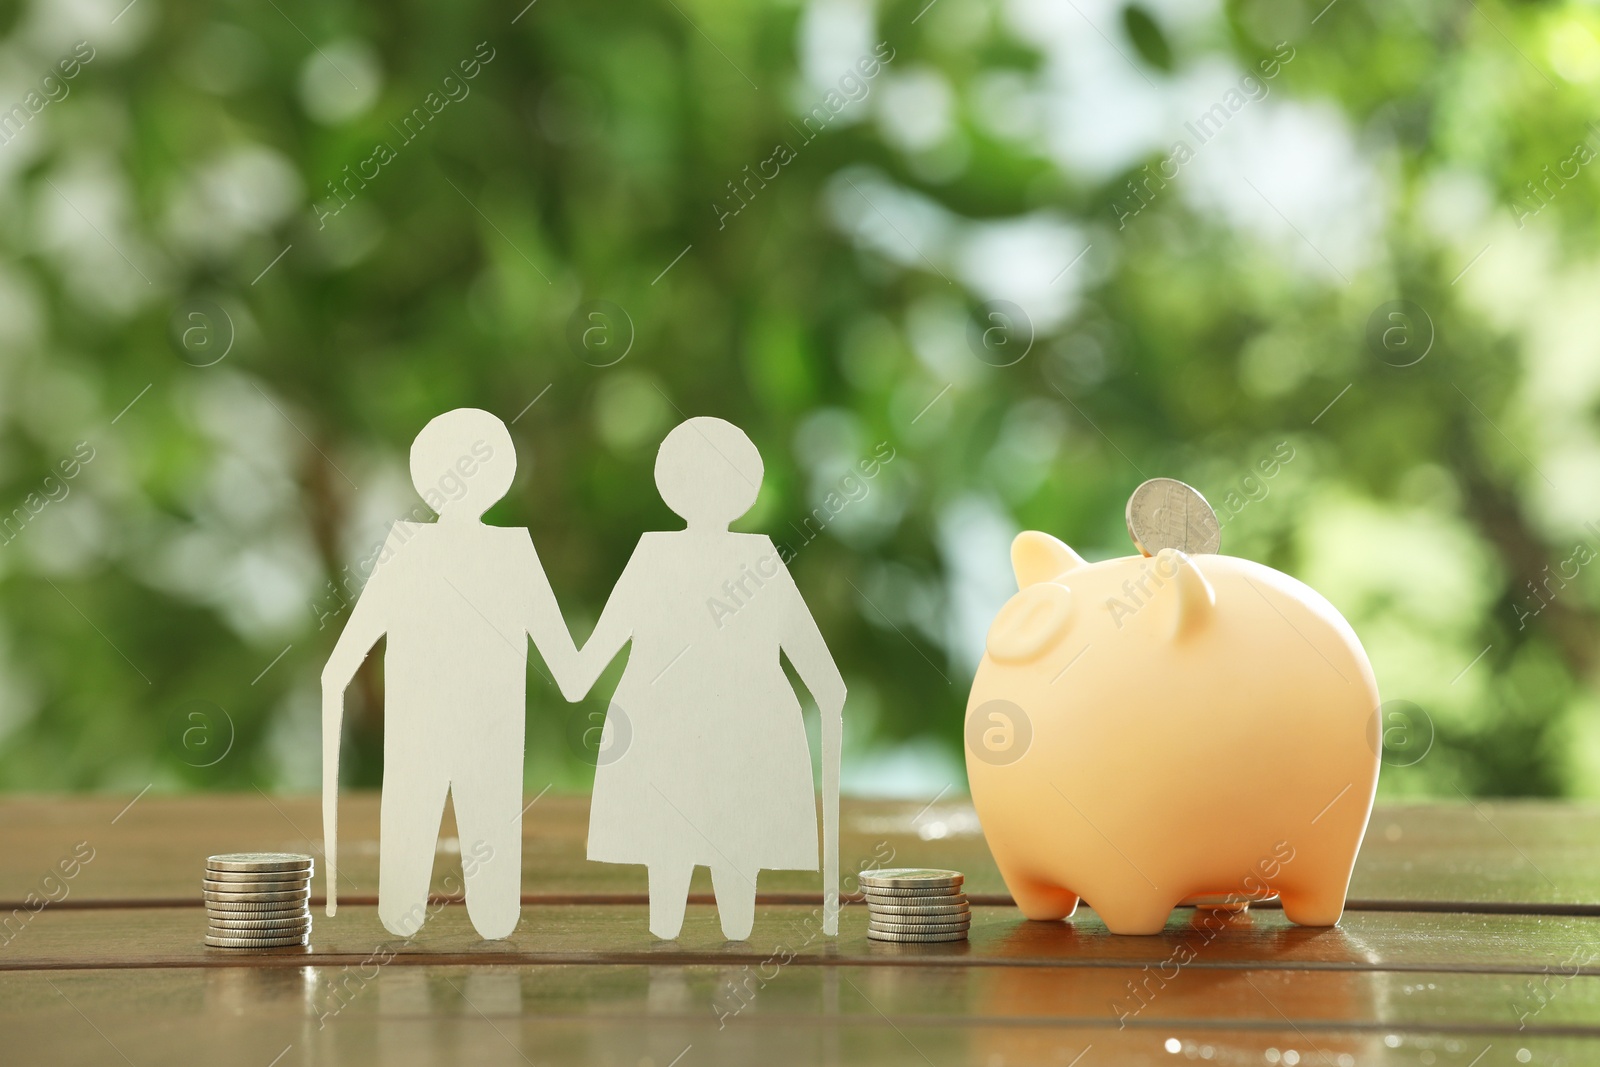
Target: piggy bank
[(1145, 732)]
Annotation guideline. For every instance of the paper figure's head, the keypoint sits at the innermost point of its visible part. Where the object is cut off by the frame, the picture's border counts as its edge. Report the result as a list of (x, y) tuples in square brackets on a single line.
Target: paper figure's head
[(462, 463), (708, 472)]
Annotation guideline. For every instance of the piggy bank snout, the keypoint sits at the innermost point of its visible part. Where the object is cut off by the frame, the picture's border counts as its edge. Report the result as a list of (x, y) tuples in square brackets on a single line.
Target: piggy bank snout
[(1030, 623)]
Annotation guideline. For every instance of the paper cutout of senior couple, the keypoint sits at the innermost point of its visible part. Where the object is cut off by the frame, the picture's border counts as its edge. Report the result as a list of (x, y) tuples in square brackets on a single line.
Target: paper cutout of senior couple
[(707, 762)]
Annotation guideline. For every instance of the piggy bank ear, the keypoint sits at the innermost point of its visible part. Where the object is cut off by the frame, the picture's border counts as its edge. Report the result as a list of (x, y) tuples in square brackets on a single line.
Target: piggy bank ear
[(1038, 557), (1030, 622), (1185, 599)]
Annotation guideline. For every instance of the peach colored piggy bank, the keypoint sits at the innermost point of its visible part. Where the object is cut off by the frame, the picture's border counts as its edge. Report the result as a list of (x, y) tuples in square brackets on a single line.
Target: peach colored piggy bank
[(1148, 731)]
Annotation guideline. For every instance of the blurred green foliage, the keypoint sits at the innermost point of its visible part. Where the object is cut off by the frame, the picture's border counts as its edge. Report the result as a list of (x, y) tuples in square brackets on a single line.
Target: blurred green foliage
[(165, 612)]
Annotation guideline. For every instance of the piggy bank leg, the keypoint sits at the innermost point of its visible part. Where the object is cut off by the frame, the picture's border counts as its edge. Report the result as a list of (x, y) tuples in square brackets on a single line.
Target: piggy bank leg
[(1315, 876), (1317, 905), (1131, 909), (1041, 900)]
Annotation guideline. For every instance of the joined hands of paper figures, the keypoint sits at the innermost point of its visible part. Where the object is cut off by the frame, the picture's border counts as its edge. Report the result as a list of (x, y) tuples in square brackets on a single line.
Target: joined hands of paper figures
[(713, 768)]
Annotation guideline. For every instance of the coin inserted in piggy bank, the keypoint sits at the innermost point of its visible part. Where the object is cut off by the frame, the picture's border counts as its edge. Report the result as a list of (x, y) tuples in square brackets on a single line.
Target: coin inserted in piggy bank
[(1147, 731)]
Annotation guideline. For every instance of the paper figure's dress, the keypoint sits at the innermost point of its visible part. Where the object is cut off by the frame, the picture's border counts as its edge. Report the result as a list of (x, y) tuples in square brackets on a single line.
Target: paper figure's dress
[(708, 614)]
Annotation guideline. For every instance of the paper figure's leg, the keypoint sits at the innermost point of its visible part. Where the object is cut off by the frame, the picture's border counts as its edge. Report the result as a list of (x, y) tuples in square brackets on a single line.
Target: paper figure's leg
[(489, 818), (736, 900), (669, 896), (408, 835)]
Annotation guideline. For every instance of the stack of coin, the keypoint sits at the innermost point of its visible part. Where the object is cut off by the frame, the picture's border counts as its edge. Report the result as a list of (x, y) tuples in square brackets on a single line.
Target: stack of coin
[(911, 905), (258, 900)]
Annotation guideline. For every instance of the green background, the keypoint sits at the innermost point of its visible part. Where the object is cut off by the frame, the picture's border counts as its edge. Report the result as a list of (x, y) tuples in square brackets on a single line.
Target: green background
[(165, 618)]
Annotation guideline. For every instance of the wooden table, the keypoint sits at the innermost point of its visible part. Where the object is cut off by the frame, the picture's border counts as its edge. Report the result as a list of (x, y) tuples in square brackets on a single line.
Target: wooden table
[(1472, 938)]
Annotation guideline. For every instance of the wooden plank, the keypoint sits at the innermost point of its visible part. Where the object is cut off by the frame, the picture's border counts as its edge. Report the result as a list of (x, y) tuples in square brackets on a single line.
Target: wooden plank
[(87, 980), (1080, 997), (617, 934), (1516, 851), (156, 850), (1508, 854), (635, 1014)]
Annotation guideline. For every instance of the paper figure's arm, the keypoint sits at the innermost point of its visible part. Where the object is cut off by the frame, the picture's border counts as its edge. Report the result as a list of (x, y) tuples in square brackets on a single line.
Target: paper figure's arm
[(368, 622), (542, 618), (802, 642), (615, 628)]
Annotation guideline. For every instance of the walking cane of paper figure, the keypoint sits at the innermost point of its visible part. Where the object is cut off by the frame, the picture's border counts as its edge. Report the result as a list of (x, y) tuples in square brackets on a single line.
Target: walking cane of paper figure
[(705, 760), (458, 600)]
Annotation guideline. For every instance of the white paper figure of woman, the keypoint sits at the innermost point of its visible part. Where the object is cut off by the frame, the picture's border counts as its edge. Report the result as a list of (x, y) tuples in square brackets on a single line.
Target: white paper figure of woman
[(458, 600), (705, 760)]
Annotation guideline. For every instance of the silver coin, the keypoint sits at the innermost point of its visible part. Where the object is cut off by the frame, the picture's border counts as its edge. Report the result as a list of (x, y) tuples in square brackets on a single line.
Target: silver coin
[(293, 933), (235, 921), (256, 875), (888, 910), (286, 915), (223, 941), (885, 935), (1166, 513), (261, 907), (232, 888), (246, 879), (909, 878), (935, 928), (257, 898), (244, 889), (918, 928), (260, 861), (255, 887), (945, 895), (288, 924), (239, 919), (946, 903)]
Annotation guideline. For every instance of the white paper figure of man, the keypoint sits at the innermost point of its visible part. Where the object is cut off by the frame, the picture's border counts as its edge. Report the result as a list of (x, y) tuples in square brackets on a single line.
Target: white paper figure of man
[(458, 600), (705, 760)]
